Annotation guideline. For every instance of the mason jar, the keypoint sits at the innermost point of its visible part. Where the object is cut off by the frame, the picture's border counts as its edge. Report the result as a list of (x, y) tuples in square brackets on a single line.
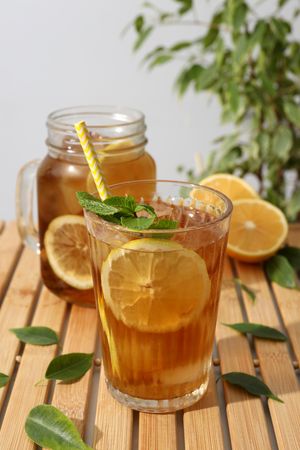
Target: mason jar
[(60, 237)]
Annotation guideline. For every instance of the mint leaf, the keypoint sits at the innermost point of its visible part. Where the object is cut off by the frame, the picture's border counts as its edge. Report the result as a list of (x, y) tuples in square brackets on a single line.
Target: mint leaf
[(251, 294), (69, 367), (3, 379), (257, 330), (137, 223), (149, 209), (36, 335), (164, 224), (49, 428), (281, 272), (125, 204), (95, 205), (251, 384)]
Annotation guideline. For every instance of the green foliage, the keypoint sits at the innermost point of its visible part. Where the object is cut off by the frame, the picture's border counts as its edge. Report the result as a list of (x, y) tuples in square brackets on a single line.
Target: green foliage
[(251, 63)]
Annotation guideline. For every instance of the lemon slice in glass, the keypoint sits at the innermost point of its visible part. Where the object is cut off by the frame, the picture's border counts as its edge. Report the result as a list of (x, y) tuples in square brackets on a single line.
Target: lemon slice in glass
[(66, 244), (155, 285)]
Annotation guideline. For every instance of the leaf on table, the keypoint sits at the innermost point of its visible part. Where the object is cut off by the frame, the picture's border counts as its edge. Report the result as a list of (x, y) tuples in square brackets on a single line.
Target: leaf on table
[(50, 428), (257, 330), (280, 271), (292, 254), (3, 379), (69, 367), (250, 292), (36, 335), (251, 384)]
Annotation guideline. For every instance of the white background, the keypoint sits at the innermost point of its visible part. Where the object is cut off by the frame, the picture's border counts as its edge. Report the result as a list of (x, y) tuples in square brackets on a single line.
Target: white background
[(59, 53)]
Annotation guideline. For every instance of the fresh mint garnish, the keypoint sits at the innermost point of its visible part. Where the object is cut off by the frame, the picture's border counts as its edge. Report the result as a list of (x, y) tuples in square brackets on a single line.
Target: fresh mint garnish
[(137, 223), (95, 205), (165, 224), (125, 211), (142, 207)]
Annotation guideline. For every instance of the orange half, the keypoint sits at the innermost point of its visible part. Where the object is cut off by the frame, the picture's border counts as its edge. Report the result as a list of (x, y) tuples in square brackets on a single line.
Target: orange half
[(258, 229)]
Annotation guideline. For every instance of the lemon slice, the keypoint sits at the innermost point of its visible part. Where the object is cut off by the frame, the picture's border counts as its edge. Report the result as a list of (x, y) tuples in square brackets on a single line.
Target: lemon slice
[(155, 285), (234, 187), (66, 244)]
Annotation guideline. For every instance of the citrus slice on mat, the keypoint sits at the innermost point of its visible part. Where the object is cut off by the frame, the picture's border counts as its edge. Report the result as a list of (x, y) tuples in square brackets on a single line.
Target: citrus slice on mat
[(66, 244), (155, 285), (257, 230), (234, 187)]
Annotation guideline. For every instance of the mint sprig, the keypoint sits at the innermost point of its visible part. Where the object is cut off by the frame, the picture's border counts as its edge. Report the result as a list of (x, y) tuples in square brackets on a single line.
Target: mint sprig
[(124, 211)]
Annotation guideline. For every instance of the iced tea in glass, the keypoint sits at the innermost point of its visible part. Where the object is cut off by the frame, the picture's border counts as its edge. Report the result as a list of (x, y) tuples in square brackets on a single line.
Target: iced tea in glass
[(157, 294), (118, 135)]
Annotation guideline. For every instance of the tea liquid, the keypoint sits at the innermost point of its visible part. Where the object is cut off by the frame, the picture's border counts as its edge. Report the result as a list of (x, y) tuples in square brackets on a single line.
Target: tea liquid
[(58, 180), (163, 363)]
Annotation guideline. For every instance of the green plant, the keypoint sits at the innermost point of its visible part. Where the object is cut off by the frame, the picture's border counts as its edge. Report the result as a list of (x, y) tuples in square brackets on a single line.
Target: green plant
[(252, 63)]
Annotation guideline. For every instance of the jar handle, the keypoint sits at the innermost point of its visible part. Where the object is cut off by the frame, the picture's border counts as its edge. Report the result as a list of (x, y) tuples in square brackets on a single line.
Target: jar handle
[(25, 193)]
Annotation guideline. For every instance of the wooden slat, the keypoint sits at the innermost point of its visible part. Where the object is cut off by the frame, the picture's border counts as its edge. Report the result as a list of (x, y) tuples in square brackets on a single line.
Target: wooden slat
[(25, 395), (288, 301), (246, 420), (16, 309), (157, 431), (10, 246), (72, 399), (205, 415), (275, 363), (113, 422)]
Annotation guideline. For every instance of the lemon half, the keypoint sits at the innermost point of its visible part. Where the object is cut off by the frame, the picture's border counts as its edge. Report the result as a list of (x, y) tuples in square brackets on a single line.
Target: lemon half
[(66, 244)]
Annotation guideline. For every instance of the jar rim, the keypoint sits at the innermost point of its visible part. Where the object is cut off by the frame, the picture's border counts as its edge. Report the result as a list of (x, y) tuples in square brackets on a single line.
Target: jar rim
[(123, 116)]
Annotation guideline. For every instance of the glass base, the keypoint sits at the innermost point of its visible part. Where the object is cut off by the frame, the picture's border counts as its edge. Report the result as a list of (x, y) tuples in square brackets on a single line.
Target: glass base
[(158, 406)]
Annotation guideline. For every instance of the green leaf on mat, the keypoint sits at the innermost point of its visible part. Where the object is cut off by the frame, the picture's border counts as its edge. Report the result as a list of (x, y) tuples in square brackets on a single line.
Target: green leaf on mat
[(50, 428), (69, 367), (36, 335), (251, 384), (280, 271), (292, 254), (257, 330), (250, 292), (3, 379)]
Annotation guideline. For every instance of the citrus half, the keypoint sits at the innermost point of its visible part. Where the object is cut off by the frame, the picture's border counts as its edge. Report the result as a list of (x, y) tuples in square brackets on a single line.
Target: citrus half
[(66, 244), (234, 187), (257, 230), (155, 285)]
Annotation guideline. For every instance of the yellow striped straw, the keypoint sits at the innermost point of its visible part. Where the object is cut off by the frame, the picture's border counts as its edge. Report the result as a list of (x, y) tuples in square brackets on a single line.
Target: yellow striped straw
[(91, 157)]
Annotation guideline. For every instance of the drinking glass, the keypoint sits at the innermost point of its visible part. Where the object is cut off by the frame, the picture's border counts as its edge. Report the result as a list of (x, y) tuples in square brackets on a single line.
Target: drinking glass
[(157, 294)]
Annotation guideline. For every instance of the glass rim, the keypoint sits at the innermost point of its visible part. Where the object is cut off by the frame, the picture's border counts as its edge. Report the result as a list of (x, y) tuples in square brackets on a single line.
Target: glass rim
[(120, 228), (53, 119)]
